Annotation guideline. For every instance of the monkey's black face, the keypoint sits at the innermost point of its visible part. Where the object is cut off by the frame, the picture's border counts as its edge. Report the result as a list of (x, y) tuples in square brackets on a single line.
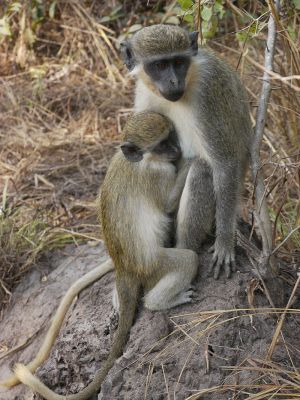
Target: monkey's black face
[(168, 74), (169, 148), (166, 150)]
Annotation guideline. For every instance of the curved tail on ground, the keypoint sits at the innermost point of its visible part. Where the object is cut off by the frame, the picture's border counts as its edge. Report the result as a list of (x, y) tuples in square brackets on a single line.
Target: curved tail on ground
[(58, 318), (128, 301)]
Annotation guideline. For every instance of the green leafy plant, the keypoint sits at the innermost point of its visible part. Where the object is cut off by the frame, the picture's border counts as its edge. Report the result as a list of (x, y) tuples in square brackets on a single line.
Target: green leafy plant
[(35, 12), (296, 4), (114, 15), (13, 9), (211, 13)]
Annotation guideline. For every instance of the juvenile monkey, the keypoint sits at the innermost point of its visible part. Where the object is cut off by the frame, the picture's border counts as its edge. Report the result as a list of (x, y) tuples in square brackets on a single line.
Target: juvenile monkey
[(140, 182), (208, 105)]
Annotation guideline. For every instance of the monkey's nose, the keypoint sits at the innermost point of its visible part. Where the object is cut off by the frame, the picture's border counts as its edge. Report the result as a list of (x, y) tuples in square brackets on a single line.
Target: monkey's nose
[(174, 95)]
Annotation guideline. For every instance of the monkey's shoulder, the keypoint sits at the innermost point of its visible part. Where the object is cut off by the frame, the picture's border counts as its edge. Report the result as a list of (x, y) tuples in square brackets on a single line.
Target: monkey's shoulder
[(214, 69), (119, 170), (126, 178), (212, 61), (148, 166)]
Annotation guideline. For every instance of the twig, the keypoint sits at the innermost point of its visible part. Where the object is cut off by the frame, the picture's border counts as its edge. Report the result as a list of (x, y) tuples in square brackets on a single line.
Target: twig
[(168, 12), (235, 9), (286, 238), (253, 255), (282, 318), (165, 379), (274, 75), (267, 292), (199, 22), (262, 217), (26, 342)]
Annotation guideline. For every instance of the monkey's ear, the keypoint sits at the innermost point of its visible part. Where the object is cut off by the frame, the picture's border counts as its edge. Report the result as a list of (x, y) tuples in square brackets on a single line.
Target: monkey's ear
[(132, 152), (127, 55), (194, 42)]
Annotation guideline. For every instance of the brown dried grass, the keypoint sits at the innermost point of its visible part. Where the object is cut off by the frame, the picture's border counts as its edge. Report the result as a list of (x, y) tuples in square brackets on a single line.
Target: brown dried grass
[(254, 378), (61, 115), (60, 119), (280, 149)]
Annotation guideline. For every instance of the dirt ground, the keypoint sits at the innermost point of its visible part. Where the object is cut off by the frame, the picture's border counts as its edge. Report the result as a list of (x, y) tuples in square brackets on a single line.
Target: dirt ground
[(169, 355)]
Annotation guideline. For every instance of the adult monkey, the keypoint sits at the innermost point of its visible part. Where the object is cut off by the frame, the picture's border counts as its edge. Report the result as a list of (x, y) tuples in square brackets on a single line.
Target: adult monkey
[(208, 105)]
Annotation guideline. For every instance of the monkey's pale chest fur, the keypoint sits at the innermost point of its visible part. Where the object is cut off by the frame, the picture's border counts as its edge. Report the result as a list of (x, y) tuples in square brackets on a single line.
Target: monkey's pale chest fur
[(189, 132), (152, 222), (137, 219)]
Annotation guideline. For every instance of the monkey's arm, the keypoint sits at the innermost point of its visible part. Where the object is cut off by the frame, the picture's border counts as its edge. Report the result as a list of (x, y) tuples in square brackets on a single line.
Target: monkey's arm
[(226, 186), (176, 192), (58, 318)]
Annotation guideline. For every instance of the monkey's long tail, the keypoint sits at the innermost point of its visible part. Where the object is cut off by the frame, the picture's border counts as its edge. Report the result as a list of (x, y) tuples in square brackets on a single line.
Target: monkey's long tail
[(128, 292), (58, 318)]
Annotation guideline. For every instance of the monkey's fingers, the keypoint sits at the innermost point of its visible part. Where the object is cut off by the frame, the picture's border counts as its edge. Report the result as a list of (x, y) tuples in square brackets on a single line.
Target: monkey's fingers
[(233, 265), (221, 259), (230, 265), (186, 297), (217, 269), (215, 265)]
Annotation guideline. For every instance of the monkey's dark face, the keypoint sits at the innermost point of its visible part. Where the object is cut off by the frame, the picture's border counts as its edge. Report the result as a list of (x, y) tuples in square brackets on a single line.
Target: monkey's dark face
[(168, 74), (167, 150), (165, 54)]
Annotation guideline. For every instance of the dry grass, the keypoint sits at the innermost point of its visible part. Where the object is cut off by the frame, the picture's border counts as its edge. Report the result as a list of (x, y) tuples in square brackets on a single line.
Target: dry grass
[(280, 151), (253, 378), (60, 118)]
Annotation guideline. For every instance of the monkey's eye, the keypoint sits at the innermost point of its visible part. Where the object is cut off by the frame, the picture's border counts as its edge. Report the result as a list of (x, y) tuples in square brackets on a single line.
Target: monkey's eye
[(162, 146), (179, 61), (131, 150), (161, 65)]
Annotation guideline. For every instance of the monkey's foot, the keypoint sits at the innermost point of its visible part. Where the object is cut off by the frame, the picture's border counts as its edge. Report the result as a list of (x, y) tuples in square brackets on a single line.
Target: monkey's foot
[(154, 303), (185, 297), (221, 258)]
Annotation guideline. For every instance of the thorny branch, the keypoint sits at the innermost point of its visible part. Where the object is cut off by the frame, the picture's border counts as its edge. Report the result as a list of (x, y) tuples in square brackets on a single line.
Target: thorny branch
[(261, 215)]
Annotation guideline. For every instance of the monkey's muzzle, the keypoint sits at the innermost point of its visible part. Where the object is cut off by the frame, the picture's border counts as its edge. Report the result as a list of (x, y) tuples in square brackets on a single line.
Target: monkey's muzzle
[(172, 95)]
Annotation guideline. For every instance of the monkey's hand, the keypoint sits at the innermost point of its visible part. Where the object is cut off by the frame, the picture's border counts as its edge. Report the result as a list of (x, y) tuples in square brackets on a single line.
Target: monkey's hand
[(173, 201), (176, 192), (222, 257)]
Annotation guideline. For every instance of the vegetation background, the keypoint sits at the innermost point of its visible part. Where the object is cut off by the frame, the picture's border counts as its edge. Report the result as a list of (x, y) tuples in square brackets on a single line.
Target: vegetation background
[(65, 94)]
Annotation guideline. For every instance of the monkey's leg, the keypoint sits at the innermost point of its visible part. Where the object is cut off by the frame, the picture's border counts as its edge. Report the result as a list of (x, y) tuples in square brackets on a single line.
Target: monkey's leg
[(115, 299), (196, 212), (226, 185), (58, 318), (175, 269)]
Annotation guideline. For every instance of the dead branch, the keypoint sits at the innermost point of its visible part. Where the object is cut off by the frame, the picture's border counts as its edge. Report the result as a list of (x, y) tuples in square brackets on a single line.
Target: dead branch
[(261, 215)]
